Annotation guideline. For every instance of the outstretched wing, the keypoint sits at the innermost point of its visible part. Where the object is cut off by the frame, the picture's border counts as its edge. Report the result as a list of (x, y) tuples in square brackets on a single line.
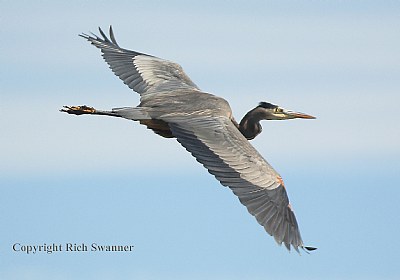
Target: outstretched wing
[(228, 155), (141, 72)]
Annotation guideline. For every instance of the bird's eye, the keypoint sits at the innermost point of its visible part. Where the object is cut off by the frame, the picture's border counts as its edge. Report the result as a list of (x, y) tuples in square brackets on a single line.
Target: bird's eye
[(278, 110)]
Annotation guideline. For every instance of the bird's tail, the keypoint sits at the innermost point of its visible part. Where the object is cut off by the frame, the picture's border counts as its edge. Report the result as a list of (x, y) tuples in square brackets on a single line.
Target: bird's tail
[(132, 113)]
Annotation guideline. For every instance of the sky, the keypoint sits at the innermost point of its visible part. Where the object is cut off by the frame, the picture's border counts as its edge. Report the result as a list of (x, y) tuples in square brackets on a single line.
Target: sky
[(68, 179)]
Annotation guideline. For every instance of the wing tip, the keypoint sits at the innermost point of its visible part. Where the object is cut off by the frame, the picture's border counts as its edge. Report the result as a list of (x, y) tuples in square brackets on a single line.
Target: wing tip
[(309, 248), (105, 38), (84, 35), (94, 39), (112, 37), (306, 249)]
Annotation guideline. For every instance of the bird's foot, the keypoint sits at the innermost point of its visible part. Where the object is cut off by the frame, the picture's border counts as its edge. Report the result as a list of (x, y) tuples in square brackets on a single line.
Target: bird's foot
[(78, 110)]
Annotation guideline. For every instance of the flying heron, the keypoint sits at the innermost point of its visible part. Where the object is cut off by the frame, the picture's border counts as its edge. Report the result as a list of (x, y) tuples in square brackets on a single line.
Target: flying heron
[(174, 107)]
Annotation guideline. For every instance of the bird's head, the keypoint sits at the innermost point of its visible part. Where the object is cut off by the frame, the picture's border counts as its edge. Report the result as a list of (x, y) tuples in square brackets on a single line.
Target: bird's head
[(250, 125), (269, 111)]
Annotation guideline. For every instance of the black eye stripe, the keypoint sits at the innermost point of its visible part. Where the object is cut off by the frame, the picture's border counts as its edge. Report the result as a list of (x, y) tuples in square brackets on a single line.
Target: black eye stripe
[(267, 105)]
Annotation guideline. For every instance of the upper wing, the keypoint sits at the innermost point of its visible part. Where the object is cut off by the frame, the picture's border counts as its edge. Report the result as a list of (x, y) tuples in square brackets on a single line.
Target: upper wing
[(228, 155), (141, 72)]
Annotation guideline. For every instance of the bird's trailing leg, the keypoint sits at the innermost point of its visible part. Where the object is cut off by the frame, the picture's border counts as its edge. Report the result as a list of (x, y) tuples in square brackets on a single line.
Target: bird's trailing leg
[(86, 110), (78, 110), (130, 113)]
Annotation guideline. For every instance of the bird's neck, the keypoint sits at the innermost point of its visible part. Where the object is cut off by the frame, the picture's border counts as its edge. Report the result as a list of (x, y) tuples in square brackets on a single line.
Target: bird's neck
[(250, 125)]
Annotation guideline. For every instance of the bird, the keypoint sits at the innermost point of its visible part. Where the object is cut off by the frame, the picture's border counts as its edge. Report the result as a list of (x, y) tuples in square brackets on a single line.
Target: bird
[(175, 107)]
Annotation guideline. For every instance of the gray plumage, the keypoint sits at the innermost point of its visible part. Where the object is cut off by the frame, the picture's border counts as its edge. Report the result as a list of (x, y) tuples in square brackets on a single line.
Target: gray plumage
[(174, 107)]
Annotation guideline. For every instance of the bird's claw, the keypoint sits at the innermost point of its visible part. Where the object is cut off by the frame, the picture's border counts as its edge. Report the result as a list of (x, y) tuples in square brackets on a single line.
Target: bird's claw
[(78, 110)]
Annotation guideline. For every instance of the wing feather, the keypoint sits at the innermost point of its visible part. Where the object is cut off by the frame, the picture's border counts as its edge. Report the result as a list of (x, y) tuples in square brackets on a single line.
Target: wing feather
[(222, 149), (141, 72)]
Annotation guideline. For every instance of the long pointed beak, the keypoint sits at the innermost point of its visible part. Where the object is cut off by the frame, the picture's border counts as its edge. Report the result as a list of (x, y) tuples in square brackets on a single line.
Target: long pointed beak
[(298, 115)]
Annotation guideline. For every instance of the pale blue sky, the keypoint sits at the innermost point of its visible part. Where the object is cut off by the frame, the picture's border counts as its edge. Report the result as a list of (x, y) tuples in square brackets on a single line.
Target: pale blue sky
[(93, 179)]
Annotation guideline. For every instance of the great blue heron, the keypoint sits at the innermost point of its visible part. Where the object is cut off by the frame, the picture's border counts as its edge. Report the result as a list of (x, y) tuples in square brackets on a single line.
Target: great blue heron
[(173, 106)]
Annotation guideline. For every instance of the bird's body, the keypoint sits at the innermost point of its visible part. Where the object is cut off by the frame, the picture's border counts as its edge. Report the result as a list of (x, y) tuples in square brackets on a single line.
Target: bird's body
[(182, 103), (174, 107)]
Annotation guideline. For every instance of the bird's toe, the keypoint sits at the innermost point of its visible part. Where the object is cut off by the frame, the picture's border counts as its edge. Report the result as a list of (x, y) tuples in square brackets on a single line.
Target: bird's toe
[(78, 110)]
